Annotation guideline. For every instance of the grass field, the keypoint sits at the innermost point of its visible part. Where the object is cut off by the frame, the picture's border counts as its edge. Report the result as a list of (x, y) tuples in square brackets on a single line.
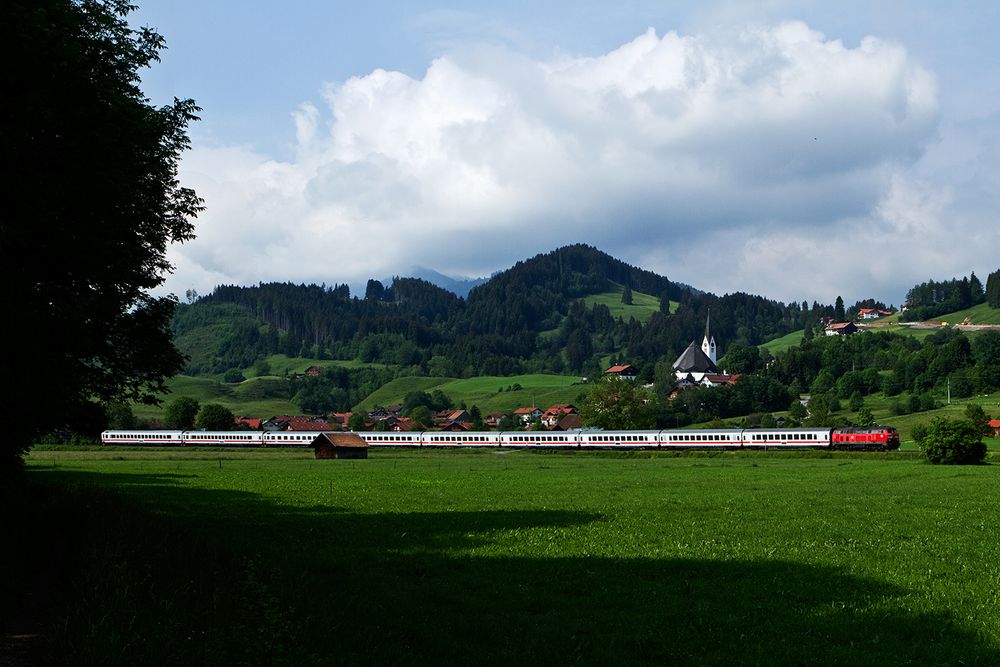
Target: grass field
[(981, 314), (537, 389), (500, 558), (780, 344), (282, 365), (395, 390), (642, 308), (209, 390)]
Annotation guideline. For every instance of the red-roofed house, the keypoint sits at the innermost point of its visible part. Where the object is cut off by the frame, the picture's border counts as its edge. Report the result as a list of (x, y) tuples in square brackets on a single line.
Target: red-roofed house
[(872, 313), (457, 426), (624, 371), (249, 422), (527, 415), (568, 423), (341, 417), (310, 424), (552, 416), (995, 425), (402, 424), (449, 416), (716, 379), (841, 329)]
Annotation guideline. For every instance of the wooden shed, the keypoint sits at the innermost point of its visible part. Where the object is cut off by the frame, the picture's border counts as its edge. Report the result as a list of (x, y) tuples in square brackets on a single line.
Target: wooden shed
[(334, 445)]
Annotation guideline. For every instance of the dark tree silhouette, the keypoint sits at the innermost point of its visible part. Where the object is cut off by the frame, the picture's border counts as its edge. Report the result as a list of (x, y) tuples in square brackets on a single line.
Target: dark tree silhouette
[(91, 202)]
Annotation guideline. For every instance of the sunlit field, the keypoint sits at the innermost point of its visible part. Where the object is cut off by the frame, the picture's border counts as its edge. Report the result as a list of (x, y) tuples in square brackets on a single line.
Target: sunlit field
[(497, 556)]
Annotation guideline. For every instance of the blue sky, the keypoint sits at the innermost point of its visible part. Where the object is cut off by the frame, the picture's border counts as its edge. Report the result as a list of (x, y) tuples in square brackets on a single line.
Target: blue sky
[(798, 150)]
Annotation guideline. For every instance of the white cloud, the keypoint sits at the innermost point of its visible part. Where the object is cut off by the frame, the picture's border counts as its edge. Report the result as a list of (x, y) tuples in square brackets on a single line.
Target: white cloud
[(734, 160)]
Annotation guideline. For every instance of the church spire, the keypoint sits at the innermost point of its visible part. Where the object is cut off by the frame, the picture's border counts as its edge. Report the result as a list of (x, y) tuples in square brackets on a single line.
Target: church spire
[(708, 345)]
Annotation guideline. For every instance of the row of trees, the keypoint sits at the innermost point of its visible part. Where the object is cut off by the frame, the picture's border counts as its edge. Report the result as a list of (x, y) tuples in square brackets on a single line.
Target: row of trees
[(933, 298), (182, 413)]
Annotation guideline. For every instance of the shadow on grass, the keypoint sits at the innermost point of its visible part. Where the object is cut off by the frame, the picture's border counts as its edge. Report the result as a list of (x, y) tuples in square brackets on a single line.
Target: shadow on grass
[(318, 584)]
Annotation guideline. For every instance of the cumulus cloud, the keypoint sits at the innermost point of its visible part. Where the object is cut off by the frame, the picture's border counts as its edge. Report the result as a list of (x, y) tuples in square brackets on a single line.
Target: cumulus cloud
[(730, 160)]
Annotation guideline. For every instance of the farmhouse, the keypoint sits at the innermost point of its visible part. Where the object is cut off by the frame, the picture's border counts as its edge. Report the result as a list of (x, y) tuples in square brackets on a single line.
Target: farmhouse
[(623, 371), (841, 329), (554, 414), (451, 416), (249, 422), (872, 313), (527, 415)]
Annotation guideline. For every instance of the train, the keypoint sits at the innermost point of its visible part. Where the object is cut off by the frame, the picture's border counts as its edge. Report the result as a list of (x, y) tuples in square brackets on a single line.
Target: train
[(865, 438)]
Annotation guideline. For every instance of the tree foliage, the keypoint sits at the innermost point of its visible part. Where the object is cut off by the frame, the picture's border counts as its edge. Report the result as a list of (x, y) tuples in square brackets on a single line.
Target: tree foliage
[(215, 417), (934, 298), (91, 202), (993, 289), (181, 413), (954, 441), (616, 404)]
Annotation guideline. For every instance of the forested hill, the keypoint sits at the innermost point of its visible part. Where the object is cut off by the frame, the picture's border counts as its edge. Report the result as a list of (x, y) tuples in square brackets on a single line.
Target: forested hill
[(547, 313)]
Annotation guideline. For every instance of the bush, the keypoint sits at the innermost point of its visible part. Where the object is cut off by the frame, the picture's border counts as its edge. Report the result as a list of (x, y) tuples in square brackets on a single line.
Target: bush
[(954, 441), (233, 376)]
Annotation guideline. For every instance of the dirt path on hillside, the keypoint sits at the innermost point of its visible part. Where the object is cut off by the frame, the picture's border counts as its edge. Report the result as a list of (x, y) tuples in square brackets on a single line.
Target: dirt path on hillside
[(932, 324)]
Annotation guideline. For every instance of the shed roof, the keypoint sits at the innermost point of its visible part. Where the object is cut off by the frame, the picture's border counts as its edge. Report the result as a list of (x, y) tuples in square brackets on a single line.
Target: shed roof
[(339, 439)]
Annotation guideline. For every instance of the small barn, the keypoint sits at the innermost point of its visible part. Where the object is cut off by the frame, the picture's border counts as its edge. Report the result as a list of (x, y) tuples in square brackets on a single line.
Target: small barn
[(334, 445)]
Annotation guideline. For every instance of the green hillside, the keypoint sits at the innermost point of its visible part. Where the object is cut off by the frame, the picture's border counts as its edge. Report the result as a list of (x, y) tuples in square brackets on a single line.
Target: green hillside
[(981, 314), (488, 392), (208, 390), (394, 391), (783, 343), (642, 308), (281, 365)]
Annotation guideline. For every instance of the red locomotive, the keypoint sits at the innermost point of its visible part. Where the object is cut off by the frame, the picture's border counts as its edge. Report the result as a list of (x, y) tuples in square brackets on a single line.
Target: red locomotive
[(866, 438)]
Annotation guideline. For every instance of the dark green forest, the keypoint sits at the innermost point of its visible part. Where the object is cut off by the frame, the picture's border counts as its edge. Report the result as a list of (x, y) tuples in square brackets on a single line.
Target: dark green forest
[(530, 318)]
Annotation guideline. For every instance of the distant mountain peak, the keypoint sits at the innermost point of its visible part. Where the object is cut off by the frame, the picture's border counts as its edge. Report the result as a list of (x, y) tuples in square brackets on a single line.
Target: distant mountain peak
[(458, 286)]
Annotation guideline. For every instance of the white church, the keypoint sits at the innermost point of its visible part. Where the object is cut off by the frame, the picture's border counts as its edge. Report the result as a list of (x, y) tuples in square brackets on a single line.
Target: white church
[(696, 366)]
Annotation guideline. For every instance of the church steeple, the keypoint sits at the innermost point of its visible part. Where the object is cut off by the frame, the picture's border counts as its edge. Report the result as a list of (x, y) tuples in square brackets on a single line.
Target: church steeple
[(708, 344)]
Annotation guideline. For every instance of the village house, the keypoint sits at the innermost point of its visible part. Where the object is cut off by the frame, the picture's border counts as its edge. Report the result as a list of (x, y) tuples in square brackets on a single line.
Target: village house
[(568, 423), (450, 416), (457, 426), (718, 379), (310, 424), (841, 329), (552, 416), (341, 418), (527, 415), (872, 313), (623, 371), (249, 423)]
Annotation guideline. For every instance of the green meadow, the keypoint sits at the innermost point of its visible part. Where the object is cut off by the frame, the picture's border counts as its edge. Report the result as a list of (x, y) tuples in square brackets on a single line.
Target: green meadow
[(209, 390), (642, 307), (490, 393), (507, 557)]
